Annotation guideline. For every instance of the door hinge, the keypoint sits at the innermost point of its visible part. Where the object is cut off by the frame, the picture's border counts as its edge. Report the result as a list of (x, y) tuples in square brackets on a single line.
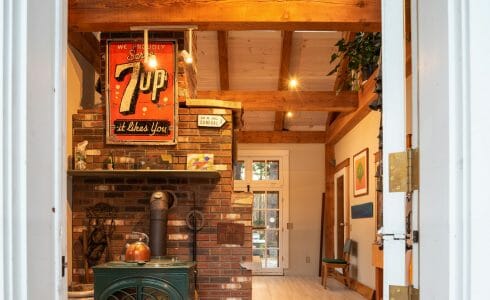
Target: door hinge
[(64, 265), (400, 292), (404, 171)]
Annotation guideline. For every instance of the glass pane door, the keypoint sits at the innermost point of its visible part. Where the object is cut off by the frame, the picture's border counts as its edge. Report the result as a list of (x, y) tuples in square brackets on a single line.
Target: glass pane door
[(264, 173), (265, 228)]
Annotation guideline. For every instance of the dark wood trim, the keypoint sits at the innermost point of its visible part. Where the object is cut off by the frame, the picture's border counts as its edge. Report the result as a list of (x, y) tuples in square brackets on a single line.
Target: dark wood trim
[(279, 120), (88, 46), (294, 137), (224, 79), (330, 201), (345, 123), (343, 164)]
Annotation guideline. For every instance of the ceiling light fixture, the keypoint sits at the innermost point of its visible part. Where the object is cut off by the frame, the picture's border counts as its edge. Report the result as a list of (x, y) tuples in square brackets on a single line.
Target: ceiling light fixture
[(293, 83), (289, 114), (151, 61)]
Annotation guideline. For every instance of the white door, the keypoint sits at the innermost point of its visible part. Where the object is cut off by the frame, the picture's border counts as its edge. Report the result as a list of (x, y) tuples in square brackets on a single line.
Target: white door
[(265, 175), (394, 133)]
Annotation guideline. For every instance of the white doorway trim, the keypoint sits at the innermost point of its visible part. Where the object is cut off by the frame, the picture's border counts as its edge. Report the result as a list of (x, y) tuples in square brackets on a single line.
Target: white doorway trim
[(33, 177), (283, 184)]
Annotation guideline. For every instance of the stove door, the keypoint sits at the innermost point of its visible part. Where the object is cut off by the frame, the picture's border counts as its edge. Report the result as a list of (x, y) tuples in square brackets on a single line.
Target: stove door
[(141, 289)]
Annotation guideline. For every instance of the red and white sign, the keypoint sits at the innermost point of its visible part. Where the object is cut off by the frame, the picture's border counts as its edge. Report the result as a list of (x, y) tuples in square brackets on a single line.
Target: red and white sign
[(141, 106)]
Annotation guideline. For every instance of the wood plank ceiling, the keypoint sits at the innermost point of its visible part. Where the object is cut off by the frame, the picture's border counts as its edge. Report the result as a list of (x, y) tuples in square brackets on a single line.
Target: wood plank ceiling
[(248, 50)]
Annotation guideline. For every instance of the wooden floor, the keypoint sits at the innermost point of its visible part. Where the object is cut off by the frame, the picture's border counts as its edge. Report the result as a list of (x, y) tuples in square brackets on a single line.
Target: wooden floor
[(296, 287)]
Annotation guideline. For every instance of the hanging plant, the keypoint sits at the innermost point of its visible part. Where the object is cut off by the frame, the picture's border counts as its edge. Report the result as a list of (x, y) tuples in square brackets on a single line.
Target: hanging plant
[(362, 53)]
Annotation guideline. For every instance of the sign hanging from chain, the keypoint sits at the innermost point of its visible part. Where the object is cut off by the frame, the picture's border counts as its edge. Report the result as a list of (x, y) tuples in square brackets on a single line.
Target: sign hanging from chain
[(140, 97)]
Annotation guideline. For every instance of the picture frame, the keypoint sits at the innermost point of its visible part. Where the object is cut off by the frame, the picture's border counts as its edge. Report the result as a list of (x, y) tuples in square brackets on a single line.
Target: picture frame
[(360, 173)]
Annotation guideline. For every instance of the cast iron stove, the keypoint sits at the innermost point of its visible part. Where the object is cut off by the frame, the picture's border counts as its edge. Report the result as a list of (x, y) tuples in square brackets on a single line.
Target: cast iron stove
[(158, 279)]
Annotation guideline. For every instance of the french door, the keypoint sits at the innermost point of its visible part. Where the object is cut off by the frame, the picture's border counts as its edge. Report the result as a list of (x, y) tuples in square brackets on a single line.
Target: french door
[(265, 175)]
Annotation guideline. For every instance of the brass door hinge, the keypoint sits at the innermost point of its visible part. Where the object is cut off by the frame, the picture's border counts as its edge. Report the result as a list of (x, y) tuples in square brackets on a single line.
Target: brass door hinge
[(399, 292), (404, 171)]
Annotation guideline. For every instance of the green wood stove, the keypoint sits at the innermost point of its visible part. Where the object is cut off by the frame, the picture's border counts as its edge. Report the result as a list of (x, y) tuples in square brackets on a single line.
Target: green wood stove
[(158, 279)]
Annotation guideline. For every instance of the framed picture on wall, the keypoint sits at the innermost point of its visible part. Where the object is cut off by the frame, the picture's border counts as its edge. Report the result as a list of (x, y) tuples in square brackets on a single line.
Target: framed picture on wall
[(361, 173), (141, 106)]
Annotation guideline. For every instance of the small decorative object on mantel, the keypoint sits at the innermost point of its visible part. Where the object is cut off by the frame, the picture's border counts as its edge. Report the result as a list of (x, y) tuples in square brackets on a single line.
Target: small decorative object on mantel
[(213, 121), (80, 156), (361, 173), (200, 161)]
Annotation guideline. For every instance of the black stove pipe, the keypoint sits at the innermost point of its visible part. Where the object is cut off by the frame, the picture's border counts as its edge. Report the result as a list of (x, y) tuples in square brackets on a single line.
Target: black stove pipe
[(160, 203)]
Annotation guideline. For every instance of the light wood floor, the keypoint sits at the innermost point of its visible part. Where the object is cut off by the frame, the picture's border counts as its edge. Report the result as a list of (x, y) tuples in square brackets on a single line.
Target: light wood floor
[(299, 288)]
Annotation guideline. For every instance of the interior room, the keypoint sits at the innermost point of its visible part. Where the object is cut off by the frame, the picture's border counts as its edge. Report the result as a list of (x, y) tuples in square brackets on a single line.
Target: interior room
[(244, 149), (268, 160)]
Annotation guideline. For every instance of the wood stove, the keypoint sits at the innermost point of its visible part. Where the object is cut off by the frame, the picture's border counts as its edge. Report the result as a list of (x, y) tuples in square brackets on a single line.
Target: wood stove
[(158, 279)]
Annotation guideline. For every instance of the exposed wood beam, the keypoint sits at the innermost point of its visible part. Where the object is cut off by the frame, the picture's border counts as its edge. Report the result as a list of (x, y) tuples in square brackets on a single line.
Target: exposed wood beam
[(282, 85), (287, 100), (88, 46), (279, 121), (294, 137), (344, 123), (224, 79), (287, 43), (117, 15)]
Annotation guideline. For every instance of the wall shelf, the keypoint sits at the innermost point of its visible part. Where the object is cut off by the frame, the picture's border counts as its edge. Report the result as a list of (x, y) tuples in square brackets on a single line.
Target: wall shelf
[(159, 173)]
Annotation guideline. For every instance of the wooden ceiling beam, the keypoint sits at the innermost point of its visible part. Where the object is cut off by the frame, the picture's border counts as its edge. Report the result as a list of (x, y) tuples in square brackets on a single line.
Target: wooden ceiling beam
[(224, 78), (117, 15), (279, 121), (287, 43), (282, 85), (88, 46), (286, 100), (346, 122), (294, 137)]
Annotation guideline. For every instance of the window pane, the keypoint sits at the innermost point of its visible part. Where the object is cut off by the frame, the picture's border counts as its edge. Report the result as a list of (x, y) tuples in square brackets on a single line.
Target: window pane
[(258, 239), (273, 200), (265, 170), (272, 258), (239, 170), (273, 169), (259, 200), (273, 219), (258, 219), (273, 238), (259, 171)]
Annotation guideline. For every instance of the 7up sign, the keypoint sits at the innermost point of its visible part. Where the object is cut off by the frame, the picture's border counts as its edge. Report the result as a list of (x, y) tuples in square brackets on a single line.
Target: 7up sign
[(140, 100)]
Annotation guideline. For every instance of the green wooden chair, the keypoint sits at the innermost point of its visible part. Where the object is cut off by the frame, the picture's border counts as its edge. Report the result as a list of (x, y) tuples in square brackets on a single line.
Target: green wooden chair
[(330, 264)]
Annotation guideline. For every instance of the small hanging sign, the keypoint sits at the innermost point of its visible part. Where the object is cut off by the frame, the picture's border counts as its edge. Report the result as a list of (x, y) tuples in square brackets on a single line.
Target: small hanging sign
[(214, 121)]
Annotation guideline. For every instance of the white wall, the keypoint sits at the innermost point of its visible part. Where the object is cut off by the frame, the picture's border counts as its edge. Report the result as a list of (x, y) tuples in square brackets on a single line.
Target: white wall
[(364, 135), (81, 79), (306, 185)]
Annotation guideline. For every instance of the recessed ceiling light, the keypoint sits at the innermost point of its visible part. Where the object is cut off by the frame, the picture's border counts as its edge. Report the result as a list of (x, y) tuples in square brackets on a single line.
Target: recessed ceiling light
[(289, 114), (293, 83)]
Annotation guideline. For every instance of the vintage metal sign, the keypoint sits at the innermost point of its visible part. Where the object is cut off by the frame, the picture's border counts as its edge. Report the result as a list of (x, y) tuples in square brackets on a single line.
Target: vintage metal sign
[(140, 100), (215, 121)]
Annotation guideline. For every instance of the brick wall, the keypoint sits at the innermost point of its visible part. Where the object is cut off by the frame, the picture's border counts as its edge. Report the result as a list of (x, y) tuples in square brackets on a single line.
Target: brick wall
[(220, 275)]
